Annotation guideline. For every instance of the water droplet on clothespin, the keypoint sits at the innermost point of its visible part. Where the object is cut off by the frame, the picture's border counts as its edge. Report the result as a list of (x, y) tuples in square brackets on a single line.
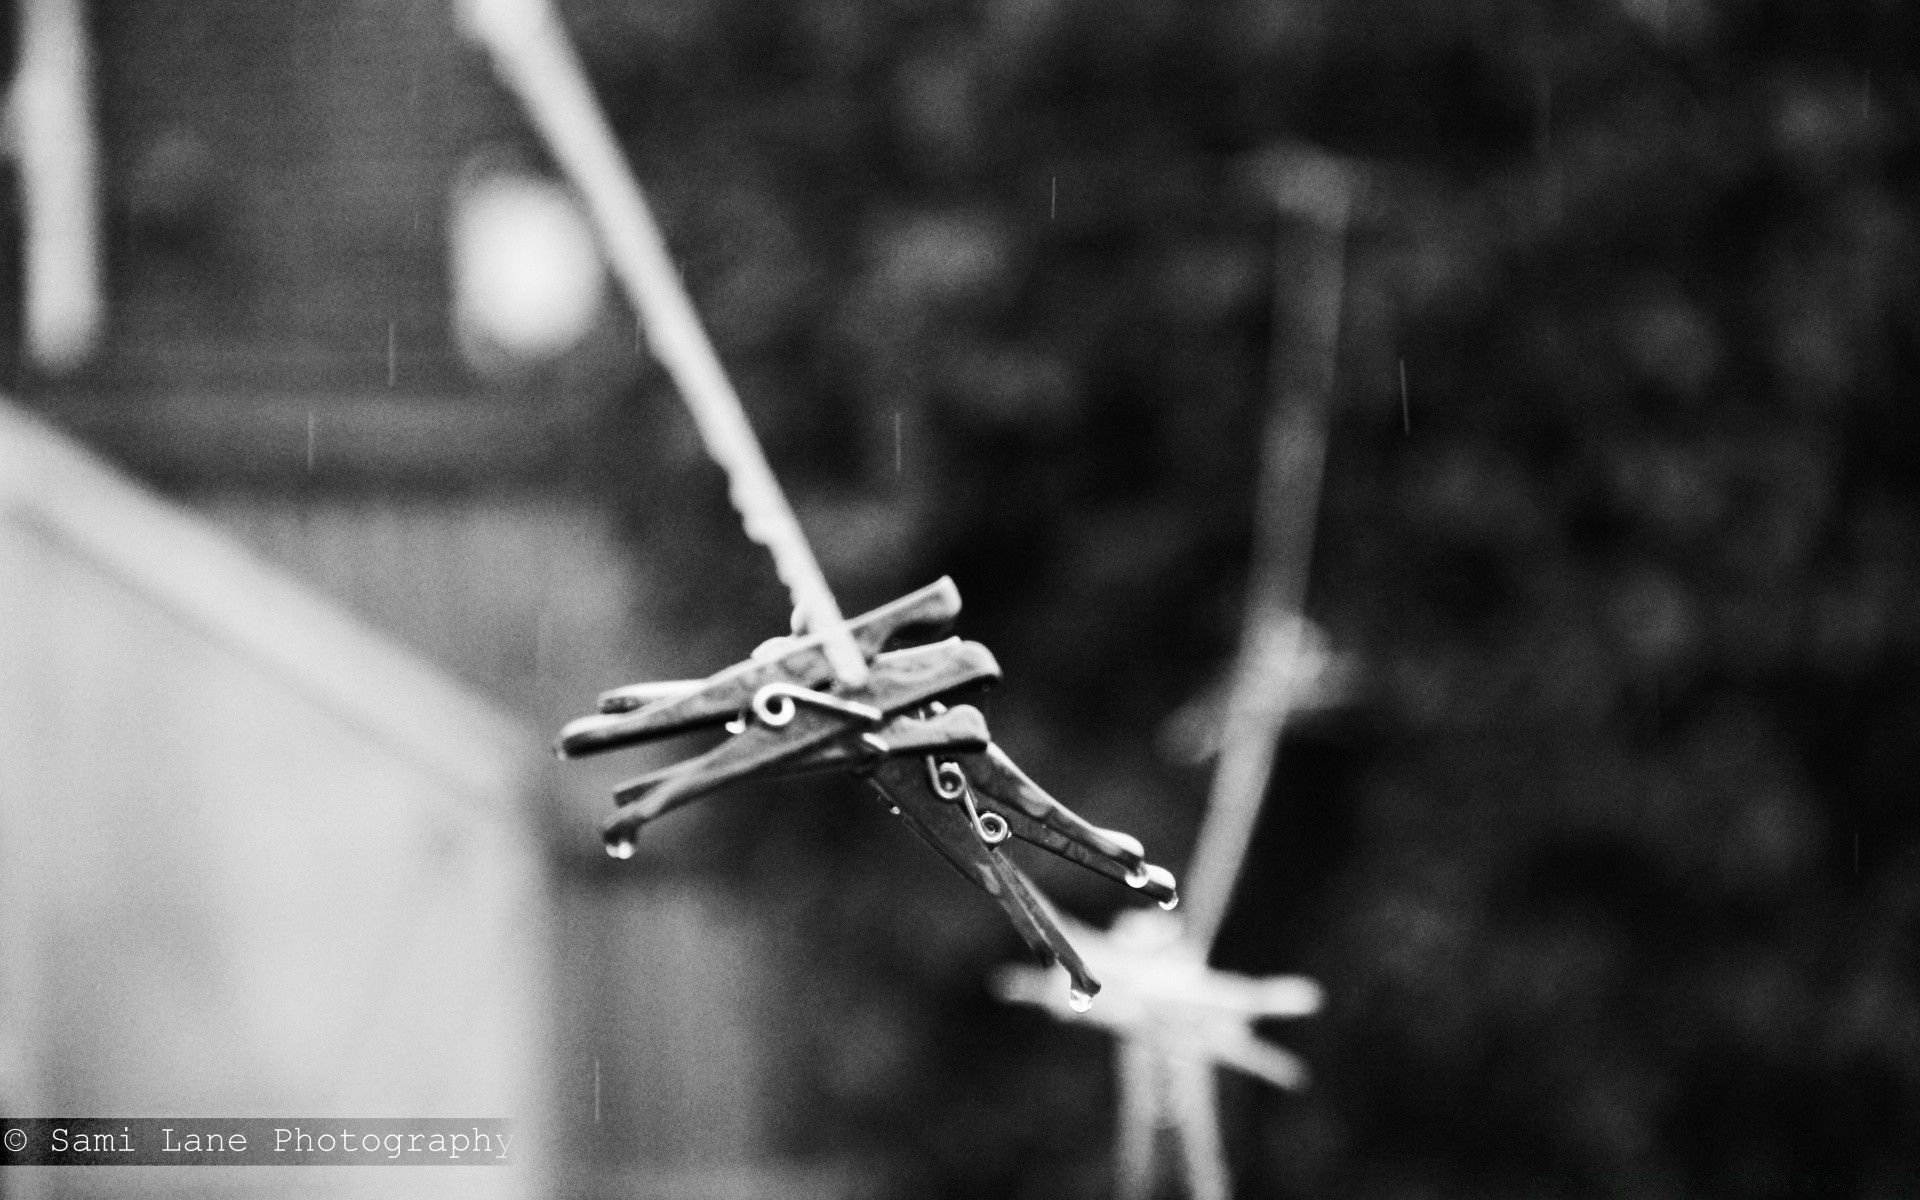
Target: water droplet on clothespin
[(620, 849), (1170, 903), (1137, 878), (1078, 1000)]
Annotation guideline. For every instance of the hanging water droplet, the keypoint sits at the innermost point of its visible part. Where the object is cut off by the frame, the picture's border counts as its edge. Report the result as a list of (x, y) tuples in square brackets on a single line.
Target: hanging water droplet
[(1170, 903), (620, 849), (1137, 878), (894, 809), (1078, 1000)]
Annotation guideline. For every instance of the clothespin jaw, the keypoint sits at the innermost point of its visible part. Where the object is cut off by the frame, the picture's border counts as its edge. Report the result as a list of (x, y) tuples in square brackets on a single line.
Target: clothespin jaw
[(957, 730), (784, 721), (913, 789), (1039, 819), (642, 712)]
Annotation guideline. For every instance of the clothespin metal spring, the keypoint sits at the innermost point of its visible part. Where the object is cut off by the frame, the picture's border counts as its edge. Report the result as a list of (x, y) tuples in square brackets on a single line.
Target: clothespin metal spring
[(775, 704), (950, 783)]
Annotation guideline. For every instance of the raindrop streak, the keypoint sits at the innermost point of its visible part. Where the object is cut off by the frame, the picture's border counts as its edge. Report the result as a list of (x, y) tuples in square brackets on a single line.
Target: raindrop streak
[(596, 1091), (896, 441), (1053, 200), (1549, 187), (1406, 417), (390, 353), (1078, 1000), (1543, 120), (309, 439)]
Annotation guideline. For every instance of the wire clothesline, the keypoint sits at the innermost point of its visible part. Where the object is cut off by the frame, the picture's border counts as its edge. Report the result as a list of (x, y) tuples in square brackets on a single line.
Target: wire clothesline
[(1175, 1018), (533, 57), (1316, 191)]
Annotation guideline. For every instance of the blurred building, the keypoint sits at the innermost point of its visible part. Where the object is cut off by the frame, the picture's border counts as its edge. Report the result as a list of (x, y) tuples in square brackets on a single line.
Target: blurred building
[(325, 336), (254, 860)]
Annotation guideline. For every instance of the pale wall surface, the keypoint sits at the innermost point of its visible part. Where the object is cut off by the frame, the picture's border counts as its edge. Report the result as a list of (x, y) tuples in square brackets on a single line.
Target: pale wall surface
[(254, 860), (667, 1012)]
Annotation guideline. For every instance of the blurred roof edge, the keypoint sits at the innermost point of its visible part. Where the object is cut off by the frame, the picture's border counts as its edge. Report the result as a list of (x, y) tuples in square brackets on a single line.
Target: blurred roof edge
[(258, 438), (215, 585)]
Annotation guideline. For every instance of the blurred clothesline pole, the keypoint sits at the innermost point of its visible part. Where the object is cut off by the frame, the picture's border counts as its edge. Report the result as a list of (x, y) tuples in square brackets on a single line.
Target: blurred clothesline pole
[(1165, 1063), (49, 132), (1313, 192), (533, 57)]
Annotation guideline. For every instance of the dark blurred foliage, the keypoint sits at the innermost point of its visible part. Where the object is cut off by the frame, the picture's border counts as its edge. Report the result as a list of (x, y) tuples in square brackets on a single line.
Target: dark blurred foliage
[(1612, 868)]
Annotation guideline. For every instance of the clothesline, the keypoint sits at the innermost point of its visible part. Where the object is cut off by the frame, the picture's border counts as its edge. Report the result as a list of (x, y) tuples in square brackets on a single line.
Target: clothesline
[(533, 57)]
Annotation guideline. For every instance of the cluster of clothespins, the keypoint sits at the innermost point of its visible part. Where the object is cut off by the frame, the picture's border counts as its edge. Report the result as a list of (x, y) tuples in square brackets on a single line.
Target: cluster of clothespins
[(934, 766)]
